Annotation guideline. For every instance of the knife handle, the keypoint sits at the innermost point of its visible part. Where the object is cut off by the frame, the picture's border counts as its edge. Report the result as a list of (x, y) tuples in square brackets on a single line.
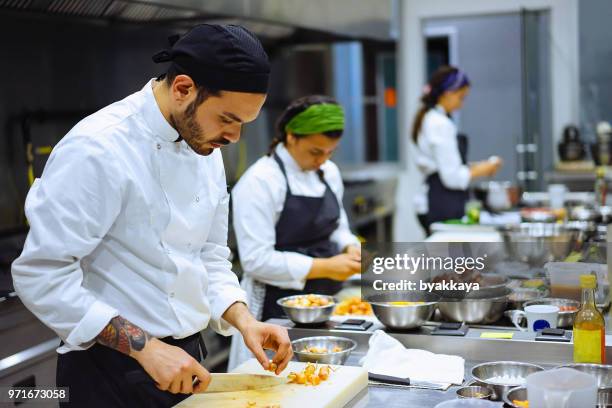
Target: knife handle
[(388, 379)]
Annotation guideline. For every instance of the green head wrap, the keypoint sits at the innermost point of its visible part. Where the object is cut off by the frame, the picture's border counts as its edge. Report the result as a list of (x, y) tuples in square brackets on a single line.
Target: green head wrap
[(318, 118)]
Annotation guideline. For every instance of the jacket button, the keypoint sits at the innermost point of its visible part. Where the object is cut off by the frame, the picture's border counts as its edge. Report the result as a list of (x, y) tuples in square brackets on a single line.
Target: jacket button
[(158, 146), (171, 294), (197, 199)]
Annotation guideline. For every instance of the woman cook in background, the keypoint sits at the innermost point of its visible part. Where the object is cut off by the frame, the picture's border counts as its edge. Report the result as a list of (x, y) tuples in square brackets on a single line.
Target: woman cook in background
[(292, 232), (441, 152)]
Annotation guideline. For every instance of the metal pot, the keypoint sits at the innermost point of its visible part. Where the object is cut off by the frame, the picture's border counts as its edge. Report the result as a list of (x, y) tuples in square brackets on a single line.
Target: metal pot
[(474, 310)]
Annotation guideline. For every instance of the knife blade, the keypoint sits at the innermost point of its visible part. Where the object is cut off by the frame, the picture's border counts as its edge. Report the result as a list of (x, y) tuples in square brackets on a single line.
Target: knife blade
[(226, 382)]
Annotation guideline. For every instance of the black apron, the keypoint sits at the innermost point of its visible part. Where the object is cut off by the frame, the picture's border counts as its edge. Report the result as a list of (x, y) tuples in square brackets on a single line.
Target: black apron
[(101, 377), (304, 226), (445, 203)]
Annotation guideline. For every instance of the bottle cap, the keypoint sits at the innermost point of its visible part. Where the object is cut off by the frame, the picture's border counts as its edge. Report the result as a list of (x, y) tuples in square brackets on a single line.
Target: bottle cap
[(588, 281)]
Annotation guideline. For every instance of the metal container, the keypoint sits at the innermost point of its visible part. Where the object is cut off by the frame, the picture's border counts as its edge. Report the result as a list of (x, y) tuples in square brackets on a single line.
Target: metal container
[(566, 318), (404, 316), (491, 285), (474, 310), (537, 242), (514, 369), (602, 372), (328, 342), (520, 296), (604, 398), (516, 393), (307, 315), (474, 391)]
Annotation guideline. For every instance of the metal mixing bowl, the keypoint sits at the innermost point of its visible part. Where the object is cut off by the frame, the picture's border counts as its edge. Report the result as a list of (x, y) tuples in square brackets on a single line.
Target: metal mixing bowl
[(565, 319), (490, 285), (404, 316), (602, 372), (329, 342), (537, 243), (516, 393), (474, 310), (485, 371), (474, 391), (307, 315)]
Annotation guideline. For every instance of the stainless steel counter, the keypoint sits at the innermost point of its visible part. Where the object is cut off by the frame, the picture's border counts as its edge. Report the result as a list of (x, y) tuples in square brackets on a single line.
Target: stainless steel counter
[(472, 347)]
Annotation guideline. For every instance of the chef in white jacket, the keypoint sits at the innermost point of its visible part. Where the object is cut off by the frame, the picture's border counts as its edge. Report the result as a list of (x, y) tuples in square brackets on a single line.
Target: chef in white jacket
[(127, 256), (291, 228), (441, 153)]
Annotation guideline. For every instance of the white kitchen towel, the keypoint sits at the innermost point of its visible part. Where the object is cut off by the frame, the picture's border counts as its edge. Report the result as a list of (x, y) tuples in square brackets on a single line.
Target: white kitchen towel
[(387, 356)]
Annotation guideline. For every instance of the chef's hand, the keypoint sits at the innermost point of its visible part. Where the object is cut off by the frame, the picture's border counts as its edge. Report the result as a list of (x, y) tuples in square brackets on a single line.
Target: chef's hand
[(353, 250), (339, 267), (259, 336), (172, 368)]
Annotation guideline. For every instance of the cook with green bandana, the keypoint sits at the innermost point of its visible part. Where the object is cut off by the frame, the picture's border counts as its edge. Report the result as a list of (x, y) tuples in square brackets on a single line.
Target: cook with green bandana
[(292, 231)]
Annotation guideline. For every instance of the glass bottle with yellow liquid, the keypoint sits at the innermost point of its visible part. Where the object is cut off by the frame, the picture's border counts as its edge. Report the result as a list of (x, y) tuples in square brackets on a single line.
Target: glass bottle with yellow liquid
[(589, 326)]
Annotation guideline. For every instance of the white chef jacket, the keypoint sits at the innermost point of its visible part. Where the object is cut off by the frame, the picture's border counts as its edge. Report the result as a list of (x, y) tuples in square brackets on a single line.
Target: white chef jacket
[(437, 151), (126, 221), (257, 202)]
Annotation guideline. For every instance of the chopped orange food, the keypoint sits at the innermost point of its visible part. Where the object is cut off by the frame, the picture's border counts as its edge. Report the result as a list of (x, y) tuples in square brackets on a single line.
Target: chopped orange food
[(321, 350), (309, 375), (307, 301), (353, 306), (272, 366), (521, 403)]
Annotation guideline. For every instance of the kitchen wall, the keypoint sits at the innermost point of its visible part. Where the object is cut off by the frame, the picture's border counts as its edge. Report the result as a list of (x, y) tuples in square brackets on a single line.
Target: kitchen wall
[(58, 65), (53, 64), (595, 17)]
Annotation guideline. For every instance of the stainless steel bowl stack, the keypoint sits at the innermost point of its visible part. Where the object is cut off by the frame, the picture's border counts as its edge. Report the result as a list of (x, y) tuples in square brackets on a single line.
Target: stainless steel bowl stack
[(483, 373), (327, 342), (398, 316), (307, 315), (566, 318)]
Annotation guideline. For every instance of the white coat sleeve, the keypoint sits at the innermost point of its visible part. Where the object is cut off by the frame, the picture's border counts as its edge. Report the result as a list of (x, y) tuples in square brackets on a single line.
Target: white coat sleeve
[(69, 209)]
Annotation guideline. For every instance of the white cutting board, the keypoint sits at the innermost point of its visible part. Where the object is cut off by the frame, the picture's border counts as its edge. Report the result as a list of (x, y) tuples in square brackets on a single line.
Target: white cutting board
[(339, 389)]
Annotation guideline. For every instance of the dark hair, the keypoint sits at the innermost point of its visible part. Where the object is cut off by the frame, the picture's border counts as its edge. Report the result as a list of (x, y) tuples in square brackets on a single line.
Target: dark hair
[(297, 106), (430, 99), (203, 91)]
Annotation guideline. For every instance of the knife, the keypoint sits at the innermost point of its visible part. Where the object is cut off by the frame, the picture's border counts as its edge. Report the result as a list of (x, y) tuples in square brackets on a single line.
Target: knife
[(380, 379), (226, 382)]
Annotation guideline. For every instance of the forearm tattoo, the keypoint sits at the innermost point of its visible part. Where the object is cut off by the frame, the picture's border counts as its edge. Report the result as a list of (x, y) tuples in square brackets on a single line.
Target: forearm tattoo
[(123, 336)]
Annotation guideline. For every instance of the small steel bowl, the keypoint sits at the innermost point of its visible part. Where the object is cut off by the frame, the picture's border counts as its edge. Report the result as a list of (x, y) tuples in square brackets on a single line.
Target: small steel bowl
[(602, 372), (485, 371), (308, 315), (474, 391), (329, 342), (565, 319), (516, 393), (404, 316)]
